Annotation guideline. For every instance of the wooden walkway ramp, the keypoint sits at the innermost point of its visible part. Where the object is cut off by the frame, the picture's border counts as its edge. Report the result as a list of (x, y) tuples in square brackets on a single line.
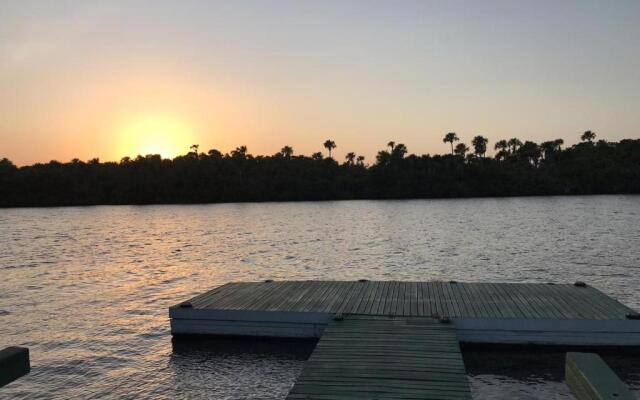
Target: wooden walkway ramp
[(374, 357)]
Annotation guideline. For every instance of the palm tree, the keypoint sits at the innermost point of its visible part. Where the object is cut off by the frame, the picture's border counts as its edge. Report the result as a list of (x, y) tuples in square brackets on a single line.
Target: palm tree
[(501, 146), (286, 151), (548, 149), (450, 138), (350, 157), (195, 147), (360, 160), (480, 145), (383, 157), (239, 152), (461, 149), (514, 144), (558, 143), (399, 151), (531, 152), (588, 136), (214, 153), (551, 148), (329, 145), (391, 145)]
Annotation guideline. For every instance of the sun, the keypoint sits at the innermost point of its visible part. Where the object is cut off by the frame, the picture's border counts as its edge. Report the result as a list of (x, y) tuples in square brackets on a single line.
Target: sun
[(155, 134)]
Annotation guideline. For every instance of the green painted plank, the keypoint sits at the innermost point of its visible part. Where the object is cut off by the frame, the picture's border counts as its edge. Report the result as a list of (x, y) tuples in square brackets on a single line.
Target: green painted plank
[(314, 302), (485, 310), (365, 298), (542, 297), (333, 297), (377, 296), (432, 295), (358, 290), (389, 307), (508, 304), (346, 293), (513, 305)]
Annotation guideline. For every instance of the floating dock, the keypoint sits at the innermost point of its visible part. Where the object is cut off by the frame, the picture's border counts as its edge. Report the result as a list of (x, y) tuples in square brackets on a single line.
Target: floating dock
[(510, 313)]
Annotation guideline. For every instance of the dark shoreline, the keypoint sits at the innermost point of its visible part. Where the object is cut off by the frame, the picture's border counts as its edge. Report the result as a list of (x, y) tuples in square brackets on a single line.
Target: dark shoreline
[(588, 168)]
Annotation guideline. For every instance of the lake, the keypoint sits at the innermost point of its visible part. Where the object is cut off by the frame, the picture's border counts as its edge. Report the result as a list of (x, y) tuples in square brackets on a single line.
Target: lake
[(87, 288)]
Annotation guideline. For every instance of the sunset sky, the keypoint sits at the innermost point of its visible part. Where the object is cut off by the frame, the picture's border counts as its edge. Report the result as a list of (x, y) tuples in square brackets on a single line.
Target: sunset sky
[(111, 79)]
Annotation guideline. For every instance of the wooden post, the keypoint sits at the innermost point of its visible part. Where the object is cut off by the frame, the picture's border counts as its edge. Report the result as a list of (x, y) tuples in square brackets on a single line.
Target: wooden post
[(590, 378), (14, 363)]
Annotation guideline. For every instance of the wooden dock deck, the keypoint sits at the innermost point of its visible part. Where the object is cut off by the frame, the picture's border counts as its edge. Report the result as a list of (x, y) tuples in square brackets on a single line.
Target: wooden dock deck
[(561, 314), (374, 357)]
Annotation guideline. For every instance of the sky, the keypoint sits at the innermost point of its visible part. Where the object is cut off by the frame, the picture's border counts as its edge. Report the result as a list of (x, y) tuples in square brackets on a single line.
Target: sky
[(85, 79)]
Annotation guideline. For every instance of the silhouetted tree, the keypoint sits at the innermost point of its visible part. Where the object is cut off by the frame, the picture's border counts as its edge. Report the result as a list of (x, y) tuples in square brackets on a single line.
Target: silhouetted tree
[(317, 156), (399, 152), (391, 145), (480, 145), (450, 138), (287, 151), (213, 153), (551, 148), (461, 149), (195, 148), (588, 136), (360, 160), (558, 143), (239, 152), (530, 151), (383, 157), (329, 145), (503, 149), (350, 157), (514, 144), (6, 165)]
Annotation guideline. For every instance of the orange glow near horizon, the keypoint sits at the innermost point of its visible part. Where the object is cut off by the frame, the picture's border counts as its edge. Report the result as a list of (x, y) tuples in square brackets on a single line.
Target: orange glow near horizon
[(166, 135)]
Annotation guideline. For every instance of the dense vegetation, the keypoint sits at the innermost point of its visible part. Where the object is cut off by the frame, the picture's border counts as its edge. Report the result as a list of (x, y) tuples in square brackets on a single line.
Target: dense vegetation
[(517, 169)]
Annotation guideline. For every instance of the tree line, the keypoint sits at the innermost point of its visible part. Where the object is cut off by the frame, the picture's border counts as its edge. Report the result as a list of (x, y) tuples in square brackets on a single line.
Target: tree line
[(517, 169)]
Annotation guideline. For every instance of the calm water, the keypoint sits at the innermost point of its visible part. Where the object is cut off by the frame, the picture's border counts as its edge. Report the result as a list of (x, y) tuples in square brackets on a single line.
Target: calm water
[(87, 289)]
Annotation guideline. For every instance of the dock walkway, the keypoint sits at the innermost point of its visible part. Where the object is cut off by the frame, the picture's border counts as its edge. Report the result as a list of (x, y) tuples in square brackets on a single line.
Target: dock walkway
[(377, 357)]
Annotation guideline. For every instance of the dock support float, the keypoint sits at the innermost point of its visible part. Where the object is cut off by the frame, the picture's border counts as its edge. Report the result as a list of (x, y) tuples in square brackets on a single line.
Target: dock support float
[(14, 363), (590, 378)]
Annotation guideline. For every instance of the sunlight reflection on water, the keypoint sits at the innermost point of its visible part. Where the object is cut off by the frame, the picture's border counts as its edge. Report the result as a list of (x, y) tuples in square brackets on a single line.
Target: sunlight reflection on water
[(87, 288)]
